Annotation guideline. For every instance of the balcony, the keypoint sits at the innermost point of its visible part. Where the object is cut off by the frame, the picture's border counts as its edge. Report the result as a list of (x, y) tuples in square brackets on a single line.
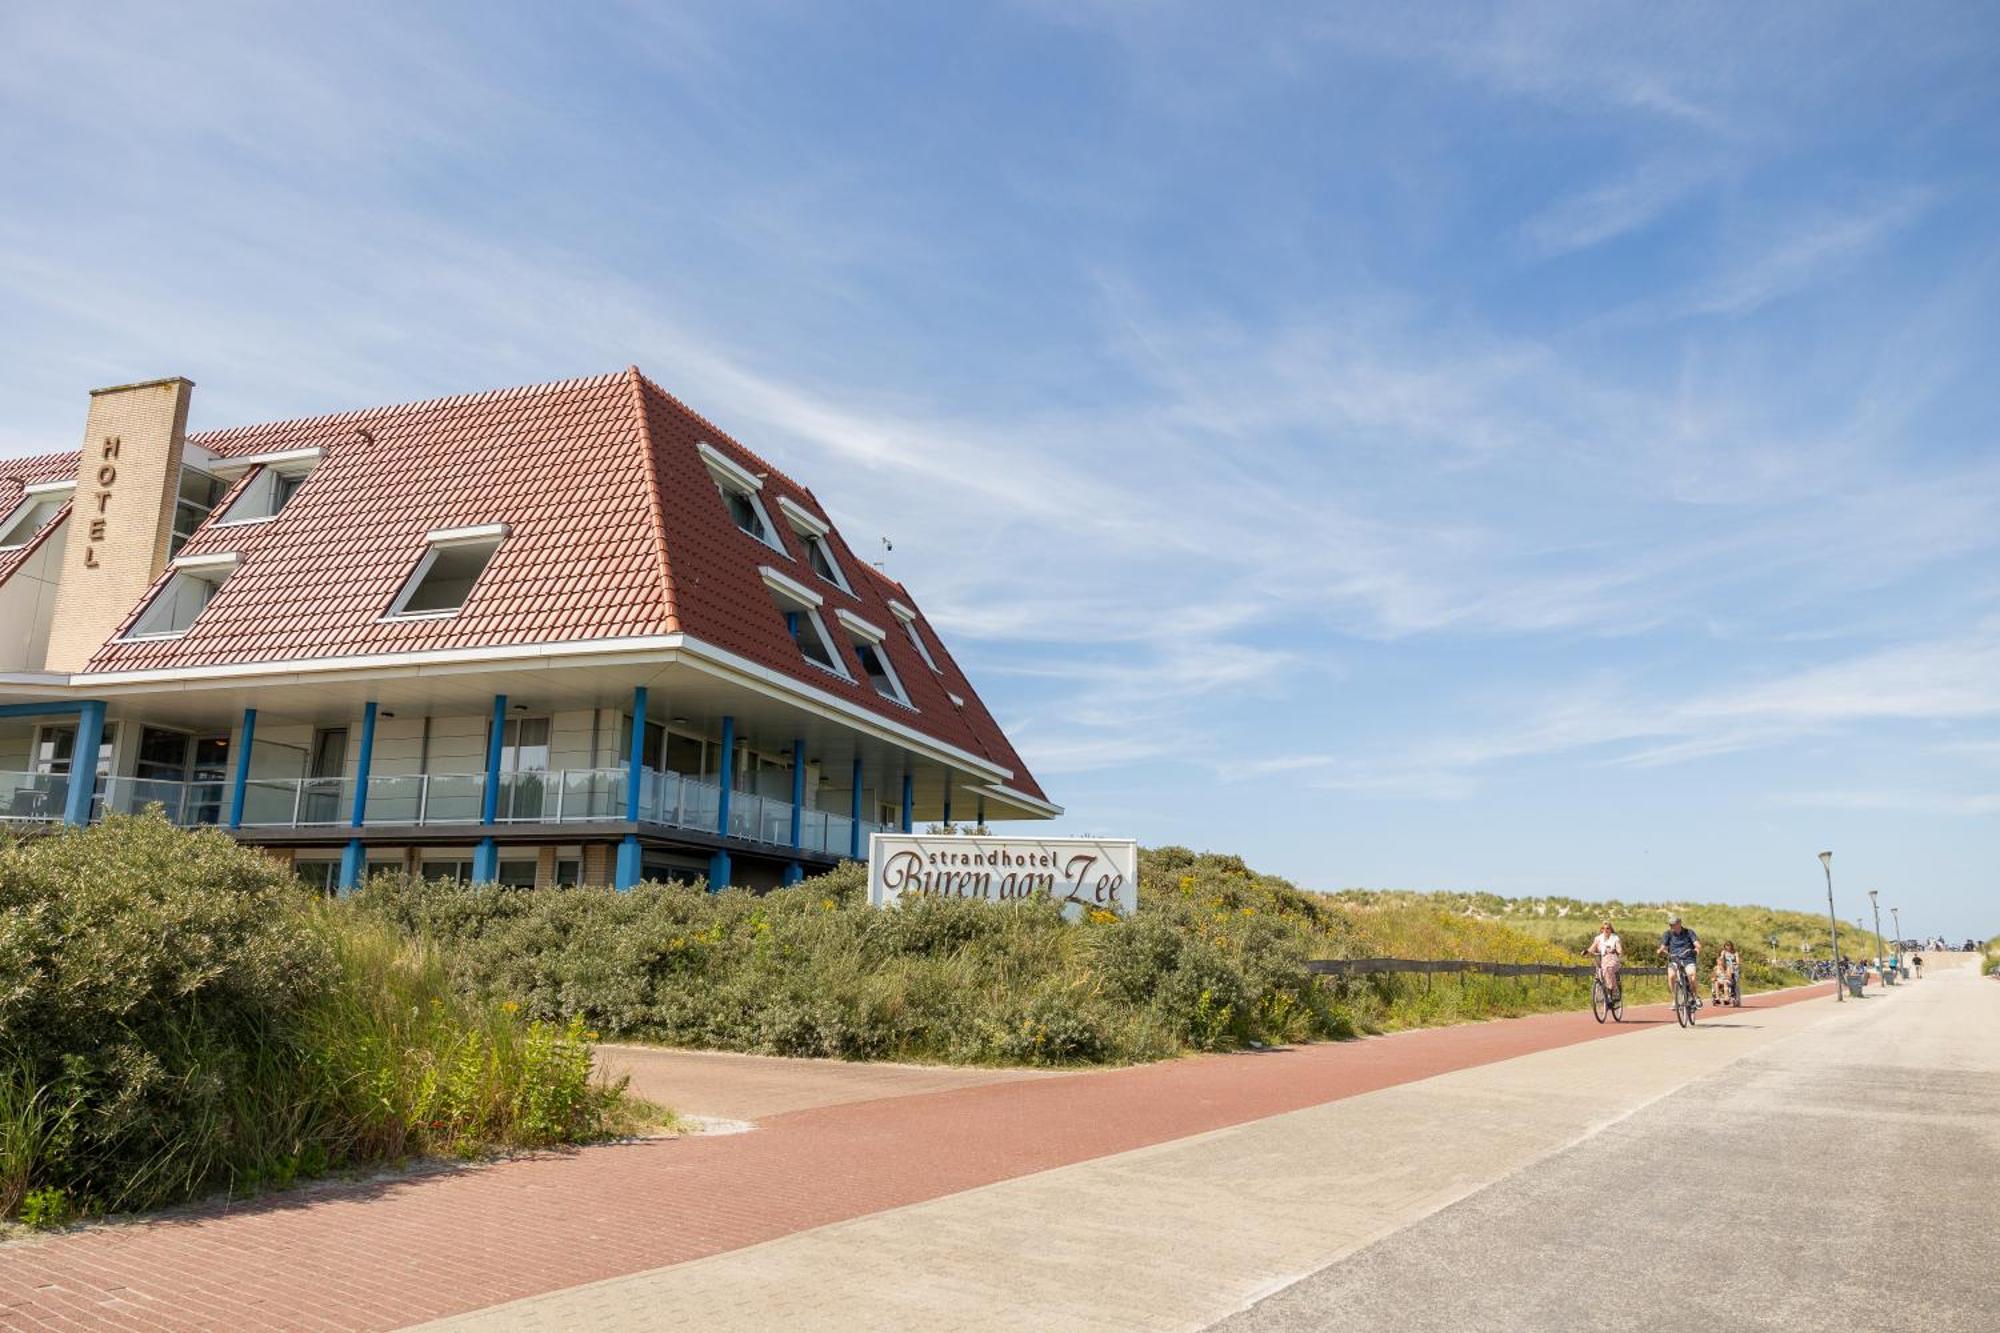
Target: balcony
[(443, 800)]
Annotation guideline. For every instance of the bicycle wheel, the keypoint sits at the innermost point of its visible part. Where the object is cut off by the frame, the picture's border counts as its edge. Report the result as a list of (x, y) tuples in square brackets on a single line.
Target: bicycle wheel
[(1683, 1002), (1618, 1006), (1600, 1004)]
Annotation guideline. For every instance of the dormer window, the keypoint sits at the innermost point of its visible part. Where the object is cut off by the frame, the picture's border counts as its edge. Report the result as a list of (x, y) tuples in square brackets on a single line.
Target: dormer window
[(800, 606), (279, 476), (739, 487), (38, 505), (908, 619), (866, 640), (198, 493), (812, 532), (443, 580), (192, 581)]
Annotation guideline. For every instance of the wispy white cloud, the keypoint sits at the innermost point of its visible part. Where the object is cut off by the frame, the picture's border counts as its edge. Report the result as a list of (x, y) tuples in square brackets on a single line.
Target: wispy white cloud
[(1616, 207), (1916, 802), (1805, 252)]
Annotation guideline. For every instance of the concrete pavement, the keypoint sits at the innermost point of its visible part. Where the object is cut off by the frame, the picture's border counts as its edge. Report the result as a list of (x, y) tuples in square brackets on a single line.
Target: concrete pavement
[(729, 1086), (1718, 1212)]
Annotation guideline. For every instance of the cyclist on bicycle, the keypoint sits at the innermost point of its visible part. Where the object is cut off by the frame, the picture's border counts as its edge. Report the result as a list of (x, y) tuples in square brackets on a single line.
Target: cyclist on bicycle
[(1609, 951), (1681, 948)]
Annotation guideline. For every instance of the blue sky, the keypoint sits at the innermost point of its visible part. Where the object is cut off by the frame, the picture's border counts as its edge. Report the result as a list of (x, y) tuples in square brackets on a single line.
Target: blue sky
[(1545, 448)]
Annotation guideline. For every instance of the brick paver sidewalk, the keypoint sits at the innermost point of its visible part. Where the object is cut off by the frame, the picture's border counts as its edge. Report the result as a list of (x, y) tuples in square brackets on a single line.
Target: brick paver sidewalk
[(403, 1251)]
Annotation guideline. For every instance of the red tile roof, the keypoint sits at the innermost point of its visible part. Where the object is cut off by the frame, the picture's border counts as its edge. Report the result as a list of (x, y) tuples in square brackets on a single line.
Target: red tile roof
[(16, 474), (615, 530)]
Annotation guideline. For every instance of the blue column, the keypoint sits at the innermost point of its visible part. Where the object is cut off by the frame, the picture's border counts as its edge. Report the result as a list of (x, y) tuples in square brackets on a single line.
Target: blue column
[(909, 799), (796, 871), (718, 864), (242, 782), (352, 860), (854, 818), (631, 866), (486, 856), (83, 762)]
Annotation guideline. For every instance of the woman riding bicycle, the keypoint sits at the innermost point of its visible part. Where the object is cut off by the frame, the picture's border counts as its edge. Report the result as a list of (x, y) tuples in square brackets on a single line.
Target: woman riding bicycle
[(1609, 951)]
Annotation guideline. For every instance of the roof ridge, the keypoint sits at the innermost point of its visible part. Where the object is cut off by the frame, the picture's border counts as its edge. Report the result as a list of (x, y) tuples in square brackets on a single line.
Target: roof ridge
[(649, 468), (722, 434), (359, 414)]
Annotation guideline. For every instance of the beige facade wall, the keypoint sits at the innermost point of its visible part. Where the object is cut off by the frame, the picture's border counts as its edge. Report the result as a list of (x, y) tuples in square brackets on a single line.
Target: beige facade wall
[(28, 604), (122, 516)]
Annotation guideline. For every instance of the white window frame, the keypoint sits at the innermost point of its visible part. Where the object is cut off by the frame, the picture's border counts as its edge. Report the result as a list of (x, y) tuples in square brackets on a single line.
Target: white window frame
[(875, 637), (908, 617), (210, 569), (729, 475), (290, 463), (436, 540), (809, 606), (31, 495), (812, 531)]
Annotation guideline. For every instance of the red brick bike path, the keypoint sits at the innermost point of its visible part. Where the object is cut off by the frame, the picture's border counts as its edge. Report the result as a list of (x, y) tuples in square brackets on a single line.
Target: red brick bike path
[(398, 1252)]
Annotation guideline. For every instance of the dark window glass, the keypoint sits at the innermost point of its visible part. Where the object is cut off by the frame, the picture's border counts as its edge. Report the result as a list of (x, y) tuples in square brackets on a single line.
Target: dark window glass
[(163, 755)]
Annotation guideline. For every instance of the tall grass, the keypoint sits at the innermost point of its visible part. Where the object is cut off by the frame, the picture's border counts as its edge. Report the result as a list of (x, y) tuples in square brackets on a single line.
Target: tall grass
[(179, 1017), (1565, 925)]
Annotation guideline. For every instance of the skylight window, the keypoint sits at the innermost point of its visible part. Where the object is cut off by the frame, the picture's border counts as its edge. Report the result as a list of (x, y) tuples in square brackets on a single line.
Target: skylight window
[(32, 514), (443, 580), (866, 639), (196, 500), (812, 532), (190, 586), (800, 606), (739, 487), (908, 617), (278, 479)]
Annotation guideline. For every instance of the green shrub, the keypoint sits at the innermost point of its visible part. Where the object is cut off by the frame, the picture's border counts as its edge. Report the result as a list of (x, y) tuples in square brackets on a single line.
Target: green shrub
[(1214, 960), (179, 1016)]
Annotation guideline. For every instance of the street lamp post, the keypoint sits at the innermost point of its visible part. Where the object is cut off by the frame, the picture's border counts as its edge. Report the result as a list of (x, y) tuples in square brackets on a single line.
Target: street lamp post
[(1896, 924), (1833, 924), (1881, 953)]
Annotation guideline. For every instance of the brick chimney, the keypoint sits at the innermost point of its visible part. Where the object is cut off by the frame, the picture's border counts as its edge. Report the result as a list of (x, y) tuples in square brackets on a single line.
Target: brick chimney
[(122, 517)]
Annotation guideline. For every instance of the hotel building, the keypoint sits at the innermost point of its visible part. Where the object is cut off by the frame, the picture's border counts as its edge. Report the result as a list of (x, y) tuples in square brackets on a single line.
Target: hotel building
[(568, 633)]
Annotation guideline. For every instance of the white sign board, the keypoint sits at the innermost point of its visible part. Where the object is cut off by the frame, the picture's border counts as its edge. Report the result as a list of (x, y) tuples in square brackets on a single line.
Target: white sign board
[(1080, 873)]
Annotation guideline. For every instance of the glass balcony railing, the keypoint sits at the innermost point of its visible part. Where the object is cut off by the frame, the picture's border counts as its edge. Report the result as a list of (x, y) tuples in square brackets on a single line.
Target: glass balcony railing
[(571, 796), (33, 798)]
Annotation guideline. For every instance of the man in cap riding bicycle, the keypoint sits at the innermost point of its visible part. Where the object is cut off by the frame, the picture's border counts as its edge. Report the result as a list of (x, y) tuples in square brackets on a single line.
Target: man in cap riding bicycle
[(1682, 949)]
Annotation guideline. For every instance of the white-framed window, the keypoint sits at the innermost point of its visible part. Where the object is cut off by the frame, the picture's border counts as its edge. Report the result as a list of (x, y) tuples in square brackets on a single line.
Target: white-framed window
[(446, 863), (318, 872), (800, 607), (443, 579), (812, 531), (37, 506), (740, 490), (279, 476), (192, 581), (194, 502), (907, 617), (866, 640)]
